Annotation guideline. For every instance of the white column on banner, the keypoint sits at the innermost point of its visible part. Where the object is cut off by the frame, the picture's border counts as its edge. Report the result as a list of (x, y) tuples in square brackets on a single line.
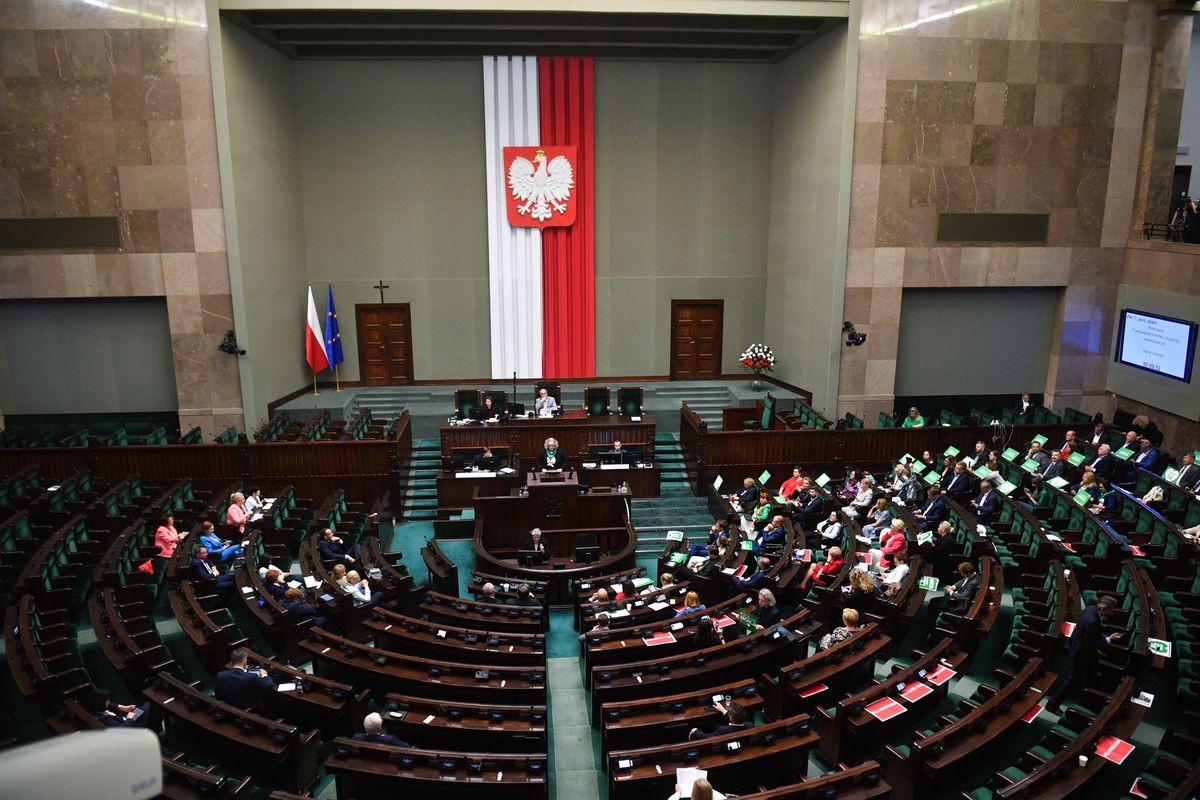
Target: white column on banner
[(510, 100)]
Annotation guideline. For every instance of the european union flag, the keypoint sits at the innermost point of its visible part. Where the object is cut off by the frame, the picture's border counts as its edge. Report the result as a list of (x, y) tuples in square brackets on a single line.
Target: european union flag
[(333, 337)]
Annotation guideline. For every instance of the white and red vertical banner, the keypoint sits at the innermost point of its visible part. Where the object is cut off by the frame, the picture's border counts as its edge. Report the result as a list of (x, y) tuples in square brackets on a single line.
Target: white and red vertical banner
[(539, 132)]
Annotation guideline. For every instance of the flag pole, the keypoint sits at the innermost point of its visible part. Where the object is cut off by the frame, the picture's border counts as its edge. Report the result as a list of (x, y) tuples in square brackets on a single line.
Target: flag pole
[(315, 392), (337, 379)]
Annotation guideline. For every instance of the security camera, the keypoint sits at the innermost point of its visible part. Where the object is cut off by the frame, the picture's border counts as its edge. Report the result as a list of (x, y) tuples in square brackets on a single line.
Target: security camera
[(853, 337), (230, 345)]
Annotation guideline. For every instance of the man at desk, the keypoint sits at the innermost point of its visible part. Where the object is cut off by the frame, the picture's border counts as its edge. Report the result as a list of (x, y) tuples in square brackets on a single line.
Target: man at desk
[(248, 689), (551, 457), (534, 541), (486, 461), (617, 455), (545, 405)]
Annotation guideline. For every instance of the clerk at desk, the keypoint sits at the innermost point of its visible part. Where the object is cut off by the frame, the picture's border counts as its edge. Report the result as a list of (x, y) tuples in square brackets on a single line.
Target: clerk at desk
[(617, 455), (545, 405), (486, 461), (551, 456)]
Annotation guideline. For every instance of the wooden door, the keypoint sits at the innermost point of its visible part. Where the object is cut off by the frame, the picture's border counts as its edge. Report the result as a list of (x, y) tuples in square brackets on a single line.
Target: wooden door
[(384, 343), (696, 338)]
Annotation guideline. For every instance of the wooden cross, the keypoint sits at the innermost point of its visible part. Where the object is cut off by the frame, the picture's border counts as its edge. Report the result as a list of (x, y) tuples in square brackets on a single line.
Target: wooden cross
[(381, 286)]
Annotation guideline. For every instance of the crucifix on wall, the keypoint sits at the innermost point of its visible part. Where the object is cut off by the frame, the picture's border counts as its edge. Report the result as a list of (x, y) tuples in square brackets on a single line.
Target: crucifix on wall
[(381, 286)]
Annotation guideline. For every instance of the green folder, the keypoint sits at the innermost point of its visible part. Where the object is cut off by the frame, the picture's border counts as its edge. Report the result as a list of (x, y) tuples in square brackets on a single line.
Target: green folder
[(746, 544), (1030, 466), (982, 471), (780, 499), (1075, 459), (1082, 498), (676, 558), (822, 479), (641, 583), (1057, 483), (931, 477), (951, 451), (1006, 488), (1171, 474), (1123, 453), (1009, 454), (928, 583), (924, 538), (1196, 454), (764, 477), (674, 536), (717, 483), (917, 467), (1159, 647), (1040, 439)]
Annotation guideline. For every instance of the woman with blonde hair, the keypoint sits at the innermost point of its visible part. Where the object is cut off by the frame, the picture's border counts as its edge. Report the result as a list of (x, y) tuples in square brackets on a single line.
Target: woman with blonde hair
[(237, 513)]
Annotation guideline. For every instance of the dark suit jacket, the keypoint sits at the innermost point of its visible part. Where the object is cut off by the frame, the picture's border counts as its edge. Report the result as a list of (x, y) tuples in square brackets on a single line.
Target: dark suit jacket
[(934, 511), (488, 463), (752, 584), (560, 459), (242, 689), (962, 593), (943, 548), (527, 602), (528, 545), (811, 505), (1088, 636), (768, 616), (330, 551), (989, 503), (1188, 476), (381, 738), (204, 569), (773, 536), (1104, 466), (957, 484), (298, 609), (748, 498), (1055, 469), (722, 729)]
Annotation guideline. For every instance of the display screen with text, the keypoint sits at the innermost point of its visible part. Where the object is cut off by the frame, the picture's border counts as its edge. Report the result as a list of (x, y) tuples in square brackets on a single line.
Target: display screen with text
[(1158, 344)]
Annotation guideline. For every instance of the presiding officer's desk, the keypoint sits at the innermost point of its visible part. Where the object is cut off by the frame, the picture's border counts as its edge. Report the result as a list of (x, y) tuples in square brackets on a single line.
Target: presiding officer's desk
[(574, 430)]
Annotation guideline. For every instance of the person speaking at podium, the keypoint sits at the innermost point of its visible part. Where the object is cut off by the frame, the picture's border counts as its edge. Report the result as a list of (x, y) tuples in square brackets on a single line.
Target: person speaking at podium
[(545, 405), (551, 457)]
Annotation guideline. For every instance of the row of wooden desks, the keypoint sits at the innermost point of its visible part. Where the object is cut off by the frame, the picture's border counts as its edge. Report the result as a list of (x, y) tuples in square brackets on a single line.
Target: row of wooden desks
[(457, 490)]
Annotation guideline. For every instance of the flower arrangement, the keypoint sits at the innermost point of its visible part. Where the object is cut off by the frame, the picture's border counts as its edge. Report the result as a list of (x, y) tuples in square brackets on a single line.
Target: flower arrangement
[(758, 358)]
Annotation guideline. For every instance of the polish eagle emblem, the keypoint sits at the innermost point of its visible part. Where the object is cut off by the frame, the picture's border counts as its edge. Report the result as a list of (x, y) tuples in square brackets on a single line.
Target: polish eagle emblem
[(540, 184)]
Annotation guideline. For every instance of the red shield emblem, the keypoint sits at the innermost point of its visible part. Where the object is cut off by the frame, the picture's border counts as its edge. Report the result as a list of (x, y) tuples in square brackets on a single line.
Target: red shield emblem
[(541, 186)]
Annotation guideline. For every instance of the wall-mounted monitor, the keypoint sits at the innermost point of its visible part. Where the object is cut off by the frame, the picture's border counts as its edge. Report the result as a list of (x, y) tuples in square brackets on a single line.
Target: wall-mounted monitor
[(1154, 343)]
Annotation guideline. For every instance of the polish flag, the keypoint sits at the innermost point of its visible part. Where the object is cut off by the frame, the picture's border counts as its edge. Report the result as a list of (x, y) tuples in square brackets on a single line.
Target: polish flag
[(314, 339)]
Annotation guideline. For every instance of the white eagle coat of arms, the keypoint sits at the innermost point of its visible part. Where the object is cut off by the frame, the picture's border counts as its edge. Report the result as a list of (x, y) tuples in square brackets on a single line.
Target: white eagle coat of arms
[(540, 180)]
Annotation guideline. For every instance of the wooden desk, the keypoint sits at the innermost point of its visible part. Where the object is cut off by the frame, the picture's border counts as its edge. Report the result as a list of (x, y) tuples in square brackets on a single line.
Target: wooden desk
[(574, 430), (456, 490), (461, 726), (643, 481)]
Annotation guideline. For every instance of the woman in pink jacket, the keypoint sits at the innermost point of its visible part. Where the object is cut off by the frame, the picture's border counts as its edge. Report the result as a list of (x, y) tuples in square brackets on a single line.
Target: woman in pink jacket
[(166, 537), (237, 513), (893, 541)]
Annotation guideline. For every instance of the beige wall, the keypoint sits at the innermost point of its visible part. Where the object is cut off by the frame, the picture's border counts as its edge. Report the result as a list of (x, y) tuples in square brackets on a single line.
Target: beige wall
[(683, 170), (392, 162), (806, 265), (269, 223)]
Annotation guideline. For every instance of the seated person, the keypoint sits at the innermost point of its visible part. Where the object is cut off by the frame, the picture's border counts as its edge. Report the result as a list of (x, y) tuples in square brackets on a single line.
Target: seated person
[(987, 503), (551, 458), (254, 500), (338, 574), (710, 564), (534, 541), (486, 461), (774, 536), (849, 628), (701, 790), (205, 570), (766, 610), (488, 409), (708, 634), (525, 597), (734, 720), (913, 493), (628, 590), (603, 623), (113, 715), (822, 574), (746, 496), (691, 603), (167, 537), (219, 549), (334, 551), (957, 483), (487, 594), (545, 404), (932, 511), (862, 594), (794, 486), (763, 511), (360, 590), (959, 595), (237, 513), (718, 529), (891, 581), (913, 419), (810, 503), (1109, 504), (247, 689), (863, 499), (293, 603), (275, 583), (373, 731), (754, 582), (617, 454), (830, 529), (892, 542), (878, 518), (943, 548)]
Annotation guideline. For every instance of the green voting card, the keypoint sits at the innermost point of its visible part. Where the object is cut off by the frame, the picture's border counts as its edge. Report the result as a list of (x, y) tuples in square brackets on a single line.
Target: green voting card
[(951, 451), (1009, 454), (982, 471), (674, 536), (1075, 459), (1123, 453), (1159, 647), (822, 479), (917, 467), (1030, 466), (780, 499), (931, 477), (928, 583), (641, 583), (746, 544), (1171, 474), (1040, 439), (1006, 488), (677, 558), (1057, 483), (924, 538), (1082, 497), (764, 477), (717, 483)]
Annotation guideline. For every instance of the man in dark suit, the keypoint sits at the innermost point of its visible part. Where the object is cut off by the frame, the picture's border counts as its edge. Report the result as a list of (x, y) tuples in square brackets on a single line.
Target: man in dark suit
[(1189, 473), (734, 720), (958, 483), (1025, 405), (1037, 454), (1071, 443), (616, 454), (980, 456), (700, 547), (753, 583), (812, 503), (959, 595), (774, 536), (525, 597), (373, 733), (1147, 457), (242, 688), (299, 611), (1099, 435), (987, 503), (944, 545), (1103, 464), (205, 570), (932, 511), (1084, 649), (486, 461), (334, 551), (766, 609), (1055, 467)]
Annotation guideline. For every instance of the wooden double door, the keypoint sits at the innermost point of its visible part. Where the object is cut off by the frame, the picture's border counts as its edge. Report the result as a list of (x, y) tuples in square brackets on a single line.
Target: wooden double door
[(696, 329), (384, 343)]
